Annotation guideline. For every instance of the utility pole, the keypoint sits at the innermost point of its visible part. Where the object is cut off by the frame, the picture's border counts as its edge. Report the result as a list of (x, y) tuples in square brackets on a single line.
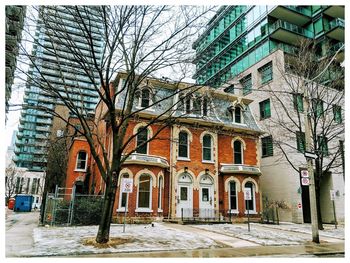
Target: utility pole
[(310, 168)]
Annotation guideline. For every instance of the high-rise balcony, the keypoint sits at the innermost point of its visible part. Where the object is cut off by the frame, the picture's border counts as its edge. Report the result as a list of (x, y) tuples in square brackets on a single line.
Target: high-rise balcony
[(336, 29), (288, 33), (297, 15), (336, 11)]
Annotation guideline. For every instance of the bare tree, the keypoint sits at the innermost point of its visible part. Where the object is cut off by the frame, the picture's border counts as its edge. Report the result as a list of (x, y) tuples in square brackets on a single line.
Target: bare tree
[(303, 72), (141, 41), (14, 181)]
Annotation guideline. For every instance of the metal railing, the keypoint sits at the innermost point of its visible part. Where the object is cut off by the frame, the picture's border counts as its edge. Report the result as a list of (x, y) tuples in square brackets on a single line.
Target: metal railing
[(205, 215), (290, 27)]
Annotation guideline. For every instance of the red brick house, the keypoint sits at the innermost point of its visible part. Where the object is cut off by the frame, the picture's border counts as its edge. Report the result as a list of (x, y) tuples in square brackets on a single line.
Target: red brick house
[(196, 168)]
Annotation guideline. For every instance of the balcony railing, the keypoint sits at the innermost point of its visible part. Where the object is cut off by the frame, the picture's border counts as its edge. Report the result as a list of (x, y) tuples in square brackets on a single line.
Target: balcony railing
[(290, 27), (147, 160), (239, 168), (336, 22)]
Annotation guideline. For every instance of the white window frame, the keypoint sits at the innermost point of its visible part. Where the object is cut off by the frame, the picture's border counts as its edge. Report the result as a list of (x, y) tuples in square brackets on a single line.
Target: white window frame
[(144, 209), (86, 162), (139, 102)]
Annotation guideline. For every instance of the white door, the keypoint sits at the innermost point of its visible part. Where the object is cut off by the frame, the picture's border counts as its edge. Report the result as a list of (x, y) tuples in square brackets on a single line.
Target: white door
[(206, 202), (184, 201)]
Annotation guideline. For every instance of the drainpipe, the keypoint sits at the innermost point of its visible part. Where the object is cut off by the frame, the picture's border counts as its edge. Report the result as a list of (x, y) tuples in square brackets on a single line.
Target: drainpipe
[(170, 171)]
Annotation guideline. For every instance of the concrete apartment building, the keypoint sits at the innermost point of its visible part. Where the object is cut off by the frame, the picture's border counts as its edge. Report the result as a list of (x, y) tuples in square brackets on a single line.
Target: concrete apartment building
[(242, 51), (58, 65)]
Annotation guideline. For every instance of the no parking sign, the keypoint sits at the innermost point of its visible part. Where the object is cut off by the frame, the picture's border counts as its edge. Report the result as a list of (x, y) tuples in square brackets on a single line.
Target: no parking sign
[(127, 185)]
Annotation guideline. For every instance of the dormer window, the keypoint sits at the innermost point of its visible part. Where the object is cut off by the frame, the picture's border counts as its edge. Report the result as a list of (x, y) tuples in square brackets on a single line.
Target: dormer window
[(205, 106), (144, 97), (188, 105), (236, 114)]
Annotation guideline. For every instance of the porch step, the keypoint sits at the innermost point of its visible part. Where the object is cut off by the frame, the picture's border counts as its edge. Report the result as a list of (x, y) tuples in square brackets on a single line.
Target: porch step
[(196, 221)]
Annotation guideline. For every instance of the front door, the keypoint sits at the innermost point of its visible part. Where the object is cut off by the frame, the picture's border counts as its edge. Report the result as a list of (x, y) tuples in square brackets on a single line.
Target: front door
[(206, 202), (184, 202)]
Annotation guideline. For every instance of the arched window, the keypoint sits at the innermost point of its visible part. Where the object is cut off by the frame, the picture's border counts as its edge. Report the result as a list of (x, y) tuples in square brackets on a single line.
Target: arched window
[(238, 152), (160, 194), (145, 97), (183, 145), (123, 196), (81, 161), (142, 137), (250, 204), (233, 196), (144, 191), (207, 148)]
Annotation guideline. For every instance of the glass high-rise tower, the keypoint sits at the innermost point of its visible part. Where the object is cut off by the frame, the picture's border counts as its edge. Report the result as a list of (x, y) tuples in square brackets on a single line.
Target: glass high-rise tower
[(238, 37), (254, 52), (57, 65)]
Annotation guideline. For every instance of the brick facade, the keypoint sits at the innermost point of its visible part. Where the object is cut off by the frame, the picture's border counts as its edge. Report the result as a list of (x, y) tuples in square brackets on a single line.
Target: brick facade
[(190, 186)]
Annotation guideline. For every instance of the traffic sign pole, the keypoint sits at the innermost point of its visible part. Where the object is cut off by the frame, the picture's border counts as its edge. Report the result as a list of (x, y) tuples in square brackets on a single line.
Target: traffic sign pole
[(126, 205), (335, 217)]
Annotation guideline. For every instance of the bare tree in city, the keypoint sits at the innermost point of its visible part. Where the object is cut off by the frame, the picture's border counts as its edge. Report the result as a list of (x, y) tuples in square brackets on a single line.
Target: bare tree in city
[(14, 181), (141, 41), (321, 79)]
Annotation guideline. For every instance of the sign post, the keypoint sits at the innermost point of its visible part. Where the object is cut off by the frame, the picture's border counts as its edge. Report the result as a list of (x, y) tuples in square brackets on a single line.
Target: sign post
[(332, 192), (126, 188), (247, 197)]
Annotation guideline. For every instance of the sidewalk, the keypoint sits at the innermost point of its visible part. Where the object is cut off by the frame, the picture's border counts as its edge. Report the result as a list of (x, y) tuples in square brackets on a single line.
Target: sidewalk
[(25, 239)]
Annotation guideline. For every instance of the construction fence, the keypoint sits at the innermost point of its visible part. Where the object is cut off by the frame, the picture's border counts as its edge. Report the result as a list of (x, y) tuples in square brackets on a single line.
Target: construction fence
[(65, 207)]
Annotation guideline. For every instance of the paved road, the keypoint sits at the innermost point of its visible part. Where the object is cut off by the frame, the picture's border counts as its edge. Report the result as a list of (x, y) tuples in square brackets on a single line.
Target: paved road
[(19, 231)]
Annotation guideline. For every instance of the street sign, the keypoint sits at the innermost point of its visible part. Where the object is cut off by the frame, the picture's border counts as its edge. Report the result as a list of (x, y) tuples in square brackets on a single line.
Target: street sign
[(304, 173), (299, 206), (332, 192), (305, 181), (127, 185), (247, 194), (310, 155)]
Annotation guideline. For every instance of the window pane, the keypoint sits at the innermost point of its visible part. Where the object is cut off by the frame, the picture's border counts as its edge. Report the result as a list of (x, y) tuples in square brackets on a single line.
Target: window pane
[(238, 115), (205, 107), (141, 138), (183, 193), (183, 144), (144, 191), (237, 152), (233, 196), (267, 146), (205, 194), (145, 98)]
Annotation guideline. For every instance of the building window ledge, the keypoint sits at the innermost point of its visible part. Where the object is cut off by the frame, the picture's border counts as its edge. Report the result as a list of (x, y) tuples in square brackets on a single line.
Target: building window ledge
[(183, 159), (143, 210)]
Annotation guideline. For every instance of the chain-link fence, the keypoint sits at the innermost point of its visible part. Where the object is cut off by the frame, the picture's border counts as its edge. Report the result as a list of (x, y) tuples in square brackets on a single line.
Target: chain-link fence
[(66, 207)]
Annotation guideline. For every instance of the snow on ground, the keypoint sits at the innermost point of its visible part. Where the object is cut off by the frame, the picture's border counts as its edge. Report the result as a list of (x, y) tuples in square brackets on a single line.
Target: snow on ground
[(68, 240), (329, 230), (269, 235)]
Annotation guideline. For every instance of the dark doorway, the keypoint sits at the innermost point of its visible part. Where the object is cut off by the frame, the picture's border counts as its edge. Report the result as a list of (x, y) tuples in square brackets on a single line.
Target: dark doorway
[(305, 197)]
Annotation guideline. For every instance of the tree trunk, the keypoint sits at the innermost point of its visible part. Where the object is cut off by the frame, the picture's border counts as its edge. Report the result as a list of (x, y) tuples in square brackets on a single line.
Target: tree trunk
[(318, 204), (106, 220)]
